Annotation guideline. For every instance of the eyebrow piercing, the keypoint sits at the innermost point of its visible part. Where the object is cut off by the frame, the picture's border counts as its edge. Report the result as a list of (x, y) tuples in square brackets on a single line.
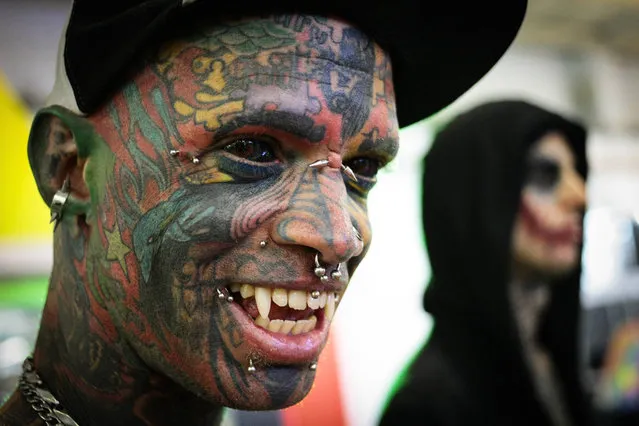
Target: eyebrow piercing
[(224, 294)]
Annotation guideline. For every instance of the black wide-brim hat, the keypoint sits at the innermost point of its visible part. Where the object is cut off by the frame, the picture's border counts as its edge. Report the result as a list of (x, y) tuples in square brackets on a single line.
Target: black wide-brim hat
[(438, 49)]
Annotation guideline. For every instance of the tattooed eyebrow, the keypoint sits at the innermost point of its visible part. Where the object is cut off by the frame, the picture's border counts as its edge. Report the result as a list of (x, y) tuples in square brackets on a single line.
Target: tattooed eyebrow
[(300, 126), (384, 147)]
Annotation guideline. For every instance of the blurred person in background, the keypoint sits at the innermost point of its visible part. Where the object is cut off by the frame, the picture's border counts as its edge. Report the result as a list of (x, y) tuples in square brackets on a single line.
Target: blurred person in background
[(503, 203), (207, 173)]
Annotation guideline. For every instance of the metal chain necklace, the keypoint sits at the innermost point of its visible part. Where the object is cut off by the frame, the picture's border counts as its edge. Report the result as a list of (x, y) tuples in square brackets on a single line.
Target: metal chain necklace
[(41, 400)]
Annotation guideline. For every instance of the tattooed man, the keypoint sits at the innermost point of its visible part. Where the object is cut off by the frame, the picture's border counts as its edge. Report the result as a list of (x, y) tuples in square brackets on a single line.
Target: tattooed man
[(209, 174)]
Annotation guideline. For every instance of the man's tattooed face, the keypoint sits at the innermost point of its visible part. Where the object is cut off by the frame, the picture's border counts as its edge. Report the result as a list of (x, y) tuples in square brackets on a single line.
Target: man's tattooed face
[(547, 232), (203, 191)]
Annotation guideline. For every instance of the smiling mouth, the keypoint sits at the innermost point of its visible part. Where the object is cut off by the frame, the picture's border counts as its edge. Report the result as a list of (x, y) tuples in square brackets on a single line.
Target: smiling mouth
[(283, 311)]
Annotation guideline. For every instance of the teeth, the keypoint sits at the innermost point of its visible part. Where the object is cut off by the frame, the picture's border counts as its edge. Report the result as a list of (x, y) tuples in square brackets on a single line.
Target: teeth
[(280, 297), (297, 299), (263, 300), (247, 290), (287, 326), (313, 303), (329, 310), (235, 287), (322, 299)]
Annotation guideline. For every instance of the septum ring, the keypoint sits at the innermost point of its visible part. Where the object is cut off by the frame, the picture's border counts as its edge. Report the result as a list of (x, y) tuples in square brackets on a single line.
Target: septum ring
[(320, 271)]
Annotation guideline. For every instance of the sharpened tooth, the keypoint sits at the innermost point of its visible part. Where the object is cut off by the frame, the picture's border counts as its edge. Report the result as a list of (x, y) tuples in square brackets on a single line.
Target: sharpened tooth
[(330, 306), (280, 297), (313, 303), (299, 327), (310, 324), (263, 300), (287, 326), (322, 299), (262, 322), (275, 325), (247, 290), (235, 287), (297, 300)]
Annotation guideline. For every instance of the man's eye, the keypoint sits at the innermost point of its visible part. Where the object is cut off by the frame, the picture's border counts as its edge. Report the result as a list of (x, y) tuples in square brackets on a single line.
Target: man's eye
[(252, 150), (543, 172), (366, 167)]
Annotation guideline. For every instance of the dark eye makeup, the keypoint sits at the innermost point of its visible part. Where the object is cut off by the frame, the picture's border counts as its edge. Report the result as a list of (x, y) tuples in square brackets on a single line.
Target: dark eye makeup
[(543, 172)]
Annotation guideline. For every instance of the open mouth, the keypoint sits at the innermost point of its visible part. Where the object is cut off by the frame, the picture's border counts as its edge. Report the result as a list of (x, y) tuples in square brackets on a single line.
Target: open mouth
[(283, 311)]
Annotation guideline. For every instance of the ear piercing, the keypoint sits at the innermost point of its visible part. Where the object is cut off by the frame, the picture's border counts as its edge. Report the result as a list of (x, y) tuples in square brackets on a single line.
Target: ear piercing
[(58, 202), (323, 163), (176, 152)]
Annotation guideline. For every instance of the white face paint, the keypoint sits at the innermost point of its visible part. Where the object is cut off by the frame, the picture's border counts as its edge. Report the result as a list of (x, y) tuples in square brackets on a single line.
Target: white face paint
[(547, 231)]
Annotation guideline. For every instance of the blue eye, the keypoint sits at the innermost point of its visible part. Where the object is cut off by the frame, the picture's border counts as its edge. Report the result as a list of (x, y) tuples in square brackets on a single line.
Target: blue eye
[(252, 150)]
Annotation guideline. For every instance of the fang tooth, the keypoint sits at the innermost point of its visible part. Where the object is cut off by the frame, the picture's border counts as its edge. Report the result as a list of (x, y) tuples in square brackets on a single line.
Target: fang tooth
[(275, 325), (263, 300), (287, 326), (330, 306), (247, 290), (262, 322), (313, 303), (310, 324), (322, 299), (280, 297), (297, 300), (299, 327), (235, 287)]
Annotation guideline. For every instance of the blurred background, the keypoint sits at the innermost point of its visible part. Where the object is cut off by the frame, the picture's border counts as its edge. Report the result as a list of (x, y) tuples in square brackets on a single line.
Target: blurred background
[(577, 57)]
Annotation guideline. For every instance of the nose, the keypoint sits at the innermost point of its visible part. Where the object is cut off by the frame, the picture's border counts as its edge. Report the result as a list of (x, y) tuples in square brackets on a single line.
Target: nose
[(317, 217), (573, 191)]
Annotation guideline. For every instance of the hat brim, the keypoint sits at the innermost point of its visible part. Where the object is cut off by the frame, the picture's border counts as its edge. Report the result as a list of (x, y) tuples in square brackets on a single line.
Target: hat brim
[(438, 50)]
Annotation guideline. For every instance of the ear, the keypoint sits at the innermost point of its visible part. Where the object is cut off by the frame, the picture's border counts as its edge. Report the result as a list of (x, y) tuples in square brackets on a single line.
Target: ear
[(59, 145)]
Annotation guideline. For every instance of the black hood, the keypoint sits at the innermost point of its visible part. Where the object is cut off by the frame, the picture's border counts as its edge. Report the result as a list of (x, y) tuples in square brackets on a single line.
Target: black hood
[(472, 182)]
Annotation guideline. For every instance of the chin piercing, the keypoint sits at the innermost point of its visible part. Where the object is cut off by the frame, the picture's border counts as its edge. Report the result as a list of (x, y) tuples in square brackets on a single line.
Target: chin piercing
[(174, 152), (251, 367), (224, 294), (262, 244), (318, 164), (315, 294), (319, 270), (58, 202), (313, 366), (348, 172), (337, 274)]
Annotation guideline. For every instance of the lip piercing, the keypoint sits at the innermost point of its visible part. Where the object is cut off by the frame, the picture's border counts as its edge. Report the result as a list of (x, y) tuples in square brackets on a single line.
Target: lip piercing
[(323, 163), (251, 367), (337, 274), (262, 244), (315, 294), (224, 294), (313, 366)]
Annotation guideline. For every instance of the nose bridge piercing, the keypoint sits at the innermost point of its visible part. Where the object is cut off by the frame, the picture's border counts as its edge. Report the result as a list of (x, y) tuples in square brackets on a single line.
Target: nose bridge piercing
[(323, 163)]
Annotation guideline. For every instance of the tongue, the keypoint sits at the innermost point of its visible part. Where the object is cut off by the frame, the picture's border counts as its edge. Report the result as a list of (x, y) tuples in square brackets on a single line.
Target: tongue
[(277, 312)]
